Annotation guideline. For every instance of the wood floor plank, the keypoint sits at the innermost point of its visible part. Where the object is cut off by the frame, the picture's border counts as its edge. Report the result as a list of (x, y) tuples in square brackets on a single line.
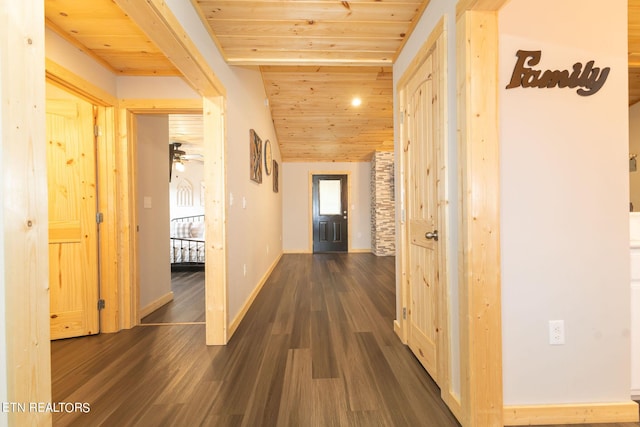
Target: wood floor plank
[(421, 392), (301, 328), (188, 300), (329, 403), (296, 404), (323, 355), (200, 403), (264, 404), (360, 385)]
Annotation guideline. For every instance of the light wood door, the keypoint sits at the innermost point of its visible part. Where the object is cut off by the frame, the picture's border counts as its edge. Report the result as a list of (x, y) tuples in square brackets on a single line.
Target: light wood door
[(73, 230), (422, 214)]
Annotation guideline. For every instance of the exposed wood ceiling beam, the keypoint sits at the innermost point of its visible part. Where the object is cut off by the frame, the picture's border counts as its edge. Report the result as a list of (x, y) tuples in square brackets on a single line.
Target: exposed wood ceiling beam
[(156, 20)]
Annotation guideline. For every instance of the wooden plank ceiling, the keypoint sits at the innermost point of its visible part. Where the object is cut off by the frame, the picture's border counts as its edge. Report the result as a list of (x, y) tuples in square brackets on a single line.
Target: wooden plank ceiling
[(327, 32), (104, 32), (315, 56)]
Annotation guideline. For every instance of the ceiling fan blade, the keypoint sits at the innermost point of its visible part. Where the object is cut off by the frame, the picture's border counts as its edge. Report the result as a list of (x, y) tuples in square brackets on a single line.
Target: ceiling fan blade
[(196, 157)]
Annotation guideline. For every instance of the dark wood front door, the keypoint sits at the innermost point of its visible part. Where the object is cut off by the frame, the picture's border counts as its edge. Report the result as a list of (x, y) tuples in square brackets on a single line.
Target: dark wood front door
[(330, 213)]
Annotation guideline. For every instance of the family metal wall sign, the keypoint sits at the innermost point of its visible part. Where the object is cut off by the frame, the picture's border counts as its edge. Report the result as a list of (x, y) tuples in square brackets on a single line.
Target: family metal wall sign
[(587, 78)]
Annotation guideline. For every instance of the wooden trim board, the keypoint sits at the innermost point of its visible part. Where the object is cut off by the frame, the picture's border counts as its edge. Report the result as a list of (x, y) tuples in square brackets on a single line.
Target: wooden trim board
[(249, 302), (24, 250), (126, 187), (215, 172), (479, 221), (617, 412), (162, 106), (398, 330), (154, 305), (107, 153)]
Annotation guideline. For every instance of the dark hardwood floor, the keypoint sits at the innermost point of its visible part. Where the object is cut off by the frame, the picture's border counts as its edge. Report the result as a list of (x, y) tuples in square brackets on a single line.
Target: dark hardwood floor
[(188, 300), (317, 348)]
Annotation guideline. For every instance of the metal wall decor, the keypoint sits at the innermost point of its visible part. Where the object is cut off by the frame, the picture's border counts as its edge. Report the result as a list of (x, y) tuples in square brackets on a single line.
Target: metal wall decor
[(275, 176), (255, 157), (267, 157), (587, 78)]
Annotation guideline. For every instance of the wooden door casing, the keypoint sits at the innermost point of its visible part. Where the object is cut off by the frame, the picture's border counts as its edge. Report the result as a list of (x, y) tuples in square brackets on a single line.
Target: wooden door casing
[(73, 230)]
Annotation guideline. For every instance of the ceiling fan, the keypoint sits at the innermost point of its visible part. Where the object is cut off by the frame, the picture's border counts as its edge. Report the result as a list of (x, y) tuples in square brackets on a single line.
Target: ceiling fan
[(178, 157)]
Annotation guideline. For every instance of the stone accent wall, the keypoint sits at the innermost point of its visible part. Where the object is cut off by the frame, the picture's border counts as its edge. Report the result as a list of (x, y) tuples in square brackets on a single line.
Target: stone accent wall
[(383, 216)]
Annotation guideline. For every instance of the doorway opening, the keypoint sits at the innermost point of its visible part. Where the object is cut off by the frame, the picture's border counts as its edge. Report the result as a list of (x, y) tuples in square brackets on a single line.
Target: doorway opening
[(179, 296), (212, 112)]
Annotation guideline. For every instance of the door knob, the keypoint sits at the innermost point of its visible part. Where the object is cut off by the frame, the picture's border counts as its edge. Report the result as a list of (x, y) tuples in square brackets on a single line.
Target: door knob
[(432, 235)]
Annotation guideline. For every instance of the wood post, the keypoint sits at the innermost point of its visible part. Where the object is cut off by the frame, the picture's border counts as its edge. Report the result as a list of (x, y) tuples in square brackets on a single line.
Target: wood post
[(479, 222), (24, 251)]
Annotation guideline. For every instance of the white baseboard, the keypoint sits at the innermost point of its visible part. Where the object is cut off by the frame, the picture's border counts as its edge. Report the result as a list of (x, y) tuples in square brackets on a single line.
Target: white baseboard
[(236, 322), (616, 412), (154, 305)]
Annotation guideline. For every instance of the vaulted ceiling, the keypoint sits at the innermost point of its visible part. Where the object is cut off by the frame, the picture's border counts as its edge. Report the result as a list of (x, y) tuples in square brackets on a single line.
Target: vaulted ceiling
[(315, 57)]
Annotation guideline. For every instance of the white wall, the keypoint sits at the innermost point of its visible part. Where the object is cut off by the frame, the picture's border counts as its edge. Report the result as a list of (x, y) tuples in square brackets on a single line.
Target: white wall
[(73, 59), (634, 148), (153, 221), (436, 10), (124, 87), (253, 233), (296, 202), (564, 208), (194, 174), (137, 87)]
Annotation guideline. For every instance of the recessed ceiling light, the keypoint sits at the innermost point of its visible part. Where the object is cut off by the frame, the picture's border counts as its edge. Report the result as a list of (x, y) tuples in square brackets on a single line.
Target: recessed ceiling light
[(356, 102)]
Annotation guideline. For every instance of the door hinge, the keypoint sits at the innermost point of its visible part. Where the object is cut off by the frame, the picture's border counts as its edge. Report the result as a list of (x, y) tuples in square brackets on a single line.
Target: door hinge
[(99, 217), (404, 313), (96, 130), (100, 304)]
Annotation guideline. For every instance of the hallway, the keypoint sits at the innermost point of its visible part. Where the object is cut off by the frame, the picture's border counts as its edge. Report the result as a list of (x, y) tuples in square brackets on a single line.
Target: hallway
[(317, 348)]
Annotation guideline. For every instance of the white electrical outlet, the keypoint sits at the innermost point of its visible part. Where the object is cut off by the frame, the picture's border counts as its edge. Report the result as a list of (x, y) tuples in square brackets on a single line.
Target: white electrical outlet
[(556, 332), (244, 269)]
